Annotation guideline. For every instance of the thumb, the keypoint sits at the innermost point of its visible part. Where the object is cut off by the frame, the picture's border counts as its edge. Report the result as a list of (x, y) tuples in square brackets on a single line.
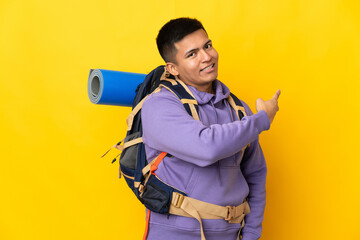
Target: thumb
[(259, 100)]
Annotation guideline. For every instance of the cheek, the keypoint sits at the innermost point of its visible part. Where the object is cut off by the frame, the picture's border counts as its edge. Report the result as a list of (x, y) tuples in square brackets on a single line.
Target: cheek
[(188, 68), (192, 66), (194, 63), (216, 55)]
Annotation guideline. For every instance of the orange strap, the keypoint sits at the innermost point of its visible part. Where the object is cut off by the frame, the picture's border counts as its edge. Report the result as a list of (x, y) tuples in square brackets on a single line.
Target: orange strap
[(147, 224), (157, 162)]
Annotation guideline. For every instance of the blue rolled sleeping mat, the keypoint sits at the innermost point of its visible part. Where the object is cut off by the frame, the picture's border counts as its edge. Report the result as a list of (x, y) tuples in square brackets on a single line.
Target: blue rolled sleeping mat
[(108, 87)]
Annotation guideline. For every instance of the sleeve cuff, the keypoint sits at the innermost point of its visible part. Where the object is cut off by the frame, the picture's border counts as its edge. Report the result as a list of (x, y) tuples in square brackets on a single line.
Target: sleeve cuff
[(262, 121)]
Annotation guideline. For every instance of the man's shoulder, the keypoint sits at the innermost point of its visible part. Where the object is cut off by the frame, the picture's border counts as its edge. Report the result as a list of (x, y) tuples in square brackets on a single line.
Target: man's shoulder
[(163, 95), (161, 100)]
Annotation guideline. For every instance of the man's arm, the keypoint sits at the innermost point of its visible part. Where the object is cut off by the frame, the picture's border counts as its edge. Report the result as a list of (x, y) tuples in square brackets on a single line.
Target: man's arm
[(168, 127), (253, 167)]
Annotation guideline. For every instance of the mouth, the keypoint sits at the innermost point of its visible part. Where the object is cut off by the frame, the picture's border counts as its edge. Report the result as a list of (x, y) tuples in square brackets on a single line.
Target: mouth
[(208, 68)]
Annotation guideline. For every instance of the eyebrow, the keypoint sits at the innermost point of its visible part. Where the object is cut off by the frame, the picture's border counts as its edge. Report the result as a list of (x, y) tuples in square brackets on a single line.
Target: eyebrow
[(196, 48)]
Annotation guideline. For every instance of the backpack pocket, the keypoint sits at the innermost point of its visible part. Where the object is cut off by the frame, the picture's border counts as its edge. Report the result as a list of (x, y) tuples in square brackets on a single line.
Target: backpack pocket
[(156, 196), (129, 154)]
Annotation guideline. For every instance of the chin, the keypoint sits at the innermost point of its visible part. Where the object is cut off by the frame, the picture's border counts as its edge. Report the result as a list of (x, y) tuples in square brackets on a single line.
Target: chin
[(213, 77)]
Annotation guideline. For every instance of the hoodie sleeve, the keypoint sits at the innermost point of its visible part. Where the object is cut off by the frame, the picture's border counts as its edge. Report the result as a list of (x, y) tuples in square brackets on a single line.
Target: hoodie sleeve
[(168, 127), (254, 169)]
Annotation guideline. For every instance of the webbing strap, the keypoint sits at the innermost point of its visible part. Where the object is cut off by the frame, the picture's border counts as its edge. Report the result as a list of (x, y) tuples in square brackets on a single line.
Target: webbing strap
[(115, 146), (146, 169), (130, 143), (125, 145), (152, 167), (190, 102), (211, 211), (239, 232), (190, 207), (194, 112), (236, 107), (130, 118), (156, 161), (173, 82), (177, 80), (184, 86), (191, 211), (147, 225), (162, 85)]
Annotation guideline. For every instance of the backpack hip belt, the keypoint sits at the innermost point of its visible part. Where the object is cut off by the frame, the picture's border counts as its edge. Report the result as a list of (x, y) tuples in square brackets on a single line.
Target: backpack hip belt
[(232, 214), (189, 207)]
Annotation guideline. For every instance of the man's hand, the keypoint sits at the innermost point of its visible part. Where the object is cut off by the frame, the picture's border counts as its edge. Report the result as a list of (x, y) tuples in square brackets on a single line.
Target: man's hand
[(270, 106)]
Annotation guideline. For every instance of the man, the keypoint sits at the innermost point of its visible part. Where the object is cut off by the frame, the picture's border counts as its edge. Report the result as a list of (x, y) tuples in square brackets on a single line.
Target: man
[(207, 161)]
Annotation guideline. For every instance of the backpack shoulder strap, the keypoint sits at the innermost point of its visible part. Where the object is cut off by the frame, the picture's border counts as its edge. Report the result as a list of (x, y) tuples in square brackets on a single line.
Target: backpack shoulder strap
[(237, 106), (239, 109), (179, 89)]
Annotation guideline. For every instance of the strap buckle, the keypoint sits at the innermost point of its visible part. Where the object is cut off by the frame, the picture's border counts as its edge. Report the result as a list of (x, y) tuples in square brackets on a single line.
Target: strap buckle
[(177, 199), (231, 213), (141, 188)]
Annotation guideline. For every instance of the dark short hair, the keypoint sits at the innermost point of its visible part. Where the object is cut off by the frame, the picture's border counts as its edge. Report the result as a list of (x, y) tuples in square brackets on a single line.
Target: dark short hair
[(172, 32)]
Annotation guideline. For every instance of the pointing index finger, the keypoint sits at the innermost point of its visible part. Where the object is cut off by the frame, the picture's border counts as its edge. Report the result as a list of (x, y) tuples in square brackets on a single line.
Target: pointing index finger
[(277, 94)]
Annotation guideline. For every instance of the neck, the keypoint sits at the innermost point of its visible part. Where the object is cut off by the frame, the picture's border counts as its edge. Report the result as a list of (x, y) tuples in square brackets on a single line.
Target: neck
[(209, 89), (203, 88)]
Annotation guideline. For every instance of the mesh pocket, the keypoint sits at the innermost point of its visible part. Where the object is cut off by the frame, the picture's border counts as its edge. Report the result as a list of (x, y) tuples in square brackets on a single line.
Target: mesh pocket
[(129, 155)]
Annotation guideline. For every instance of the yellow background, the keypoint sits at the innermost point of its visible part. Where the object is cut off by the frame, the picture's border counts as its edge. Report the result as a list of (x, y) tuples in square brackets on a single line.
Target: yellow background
[(54, 184)]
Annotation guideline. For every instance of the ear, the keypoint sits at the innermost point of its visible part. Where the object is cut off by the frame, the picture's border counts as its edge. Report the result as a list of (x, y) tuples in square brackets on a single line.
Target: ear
[(172, 68)]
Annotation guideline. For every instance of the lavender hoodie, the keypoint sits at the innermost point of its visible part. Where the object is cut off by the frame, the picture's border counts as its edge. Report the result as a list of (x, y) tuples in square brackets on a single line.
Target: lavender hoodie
[(206, 162)]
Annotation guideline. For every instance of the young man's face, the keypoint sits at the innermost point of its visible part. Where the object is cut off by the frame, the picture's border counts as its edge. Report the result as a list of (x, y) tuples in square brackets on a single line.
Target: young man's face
[(197, 61)]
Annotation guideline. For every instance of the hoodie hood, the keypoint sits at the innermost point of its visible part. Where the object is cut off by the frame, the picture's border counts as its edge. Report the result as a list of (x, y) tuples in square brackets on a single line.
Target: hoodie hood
[(221, 92)]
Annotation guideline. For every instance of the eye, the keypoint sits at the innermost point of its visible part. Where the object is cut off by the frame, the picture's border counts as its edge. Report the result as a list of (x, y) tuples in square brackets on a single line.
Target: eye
[(209, 45), (191, 54)]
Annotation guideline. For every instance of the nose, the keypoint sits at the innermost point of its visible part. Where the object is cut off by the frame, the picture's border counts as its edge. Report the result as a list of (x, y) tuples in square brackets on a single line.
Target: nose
[(205, 56)]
